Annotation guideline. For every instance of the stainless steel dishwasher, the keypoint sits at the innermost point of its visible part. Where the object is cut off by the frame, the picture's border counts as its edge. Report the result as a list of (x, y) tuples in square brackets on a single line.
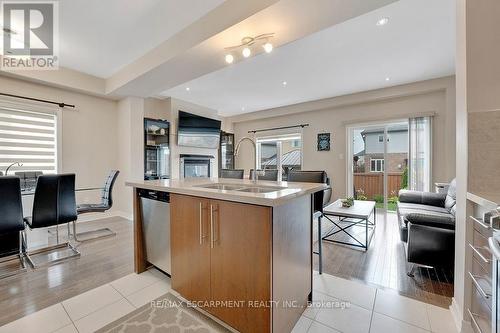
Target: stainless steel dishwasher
[(155, 210)]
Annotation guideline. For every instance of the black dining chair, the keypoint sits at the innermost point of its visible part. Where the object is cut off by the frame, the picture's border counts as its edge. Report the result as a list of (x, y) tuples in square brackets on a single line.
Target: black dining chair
[(321, 199), (267, 174), (232, 173), (101, 207), (54, 203), (28, 179), (11, 219)]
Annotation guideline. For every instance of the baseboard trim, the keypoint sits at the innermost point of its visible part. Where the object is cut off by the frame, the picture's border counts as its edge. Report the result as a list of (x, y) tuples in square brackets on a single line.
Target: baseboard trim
[(462, 325), (99, 216)]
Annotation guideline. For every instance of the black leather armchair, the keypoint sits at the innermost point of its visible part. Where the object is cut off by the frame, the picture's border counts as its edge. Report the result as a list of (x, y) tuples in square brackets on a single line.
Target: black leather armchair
[(427, 226)]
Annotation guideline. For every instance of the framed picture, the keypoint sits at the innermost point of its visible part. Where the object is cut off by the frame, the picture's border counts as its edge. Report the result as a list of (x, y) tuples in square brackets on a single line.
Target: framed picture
[(323, 141)]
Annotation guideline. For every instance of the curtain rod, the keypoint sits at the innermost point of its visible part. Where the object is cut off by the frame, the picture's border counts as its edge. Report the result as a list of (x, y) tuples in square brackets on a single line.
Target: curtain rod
[(60, 104), (278, 128)]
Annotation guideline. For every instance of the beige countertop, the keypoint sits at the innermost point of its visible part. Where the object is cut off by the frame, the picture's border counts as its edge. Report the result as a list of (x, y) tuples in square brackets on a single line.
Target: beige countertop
[(192, 187), (485, 199)]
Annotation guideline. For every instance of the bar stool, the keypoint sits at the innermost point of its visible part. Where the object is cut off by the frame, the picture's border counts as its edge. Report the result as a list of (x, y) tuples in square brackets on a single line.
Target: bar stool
[(267, 174), (105, 204), (54, 203), (320, 200), (232, 173), (11, 219)]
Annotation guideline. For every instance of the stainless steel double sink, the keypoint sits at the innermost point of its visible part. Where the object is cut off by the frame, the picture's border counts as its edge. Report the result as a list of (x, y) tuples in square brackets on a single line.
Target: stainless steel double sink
[(242, 188)]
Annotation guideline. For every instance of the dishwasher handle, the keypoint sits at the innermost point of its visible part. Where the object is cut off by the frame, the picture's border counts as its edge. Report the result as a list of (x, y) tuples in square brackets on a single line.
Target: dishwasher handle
[(154, 195)]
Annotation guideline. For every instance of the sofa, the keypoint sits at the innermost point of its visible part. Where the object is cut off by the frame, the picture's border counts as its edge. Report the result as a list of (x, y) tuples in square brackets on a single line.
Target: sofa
[(427, 226)]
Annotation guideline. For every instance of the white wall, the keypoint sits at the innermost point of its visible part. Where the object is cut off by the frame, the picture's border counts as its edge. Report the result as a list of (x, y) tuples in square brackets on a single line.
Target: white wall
[(332, 115), (478, 103), (130, 147)]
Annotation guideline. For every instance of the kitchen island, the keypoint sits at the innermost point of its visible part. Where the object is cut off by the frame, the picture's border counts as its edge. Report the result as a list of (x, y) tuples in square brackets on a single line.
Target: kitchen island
[(240, 250)]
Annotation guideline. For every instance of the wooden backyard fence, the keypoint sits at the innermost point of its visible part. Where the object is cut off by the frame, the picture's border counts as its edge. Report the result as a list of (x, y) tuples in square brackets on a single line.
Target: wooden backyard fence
[(372, 183)]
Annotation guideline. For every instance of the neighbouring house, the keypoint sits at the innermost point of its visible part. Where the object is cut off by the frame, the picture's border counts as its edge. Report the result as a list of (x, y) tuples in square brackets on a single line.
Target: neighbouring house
[(371, 158), (369, 163)]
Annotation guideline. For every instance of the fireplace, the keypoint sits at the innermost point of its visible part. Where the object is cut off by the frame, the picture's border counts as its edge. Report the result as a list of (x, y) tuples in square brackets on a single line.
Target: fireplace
[(196, 166)]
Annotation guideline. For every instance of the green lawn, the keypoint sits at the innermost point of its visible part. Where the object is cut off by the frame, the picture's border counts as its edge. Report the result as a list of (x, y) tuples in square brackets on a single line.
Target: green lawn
[(390, 206)]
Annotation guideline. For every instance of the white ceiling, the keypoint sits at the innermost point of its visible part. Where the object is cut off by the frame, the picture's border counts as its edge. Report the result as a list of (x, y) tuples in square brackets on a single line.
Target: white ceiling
[(417, 44), (99, 37)]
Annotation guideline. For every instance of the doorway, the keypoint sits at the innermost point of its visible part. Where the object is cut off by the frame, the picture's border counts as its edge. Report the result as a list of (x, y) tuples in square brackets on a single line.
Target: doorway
[(378, 162)]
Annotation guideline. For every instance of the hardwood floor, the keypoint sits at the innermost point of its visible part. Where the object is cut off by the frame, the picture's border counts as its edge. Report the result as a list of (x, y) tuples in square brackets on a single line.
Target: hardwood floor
[(101, 262), (384, 264), (108, 259)]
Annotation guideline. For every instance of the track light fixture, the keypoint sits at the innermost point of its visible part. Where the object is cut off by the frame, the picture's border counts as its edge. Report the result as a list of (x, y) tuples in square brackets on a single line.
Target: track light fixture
[(247, 43)]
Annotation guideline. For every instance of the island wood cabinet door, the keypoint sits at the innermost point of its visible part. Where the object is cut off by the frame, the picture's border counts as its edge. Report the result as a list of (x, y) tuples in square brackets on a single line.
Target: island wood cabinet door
[(190, 247), (241, 264), (230, 265)]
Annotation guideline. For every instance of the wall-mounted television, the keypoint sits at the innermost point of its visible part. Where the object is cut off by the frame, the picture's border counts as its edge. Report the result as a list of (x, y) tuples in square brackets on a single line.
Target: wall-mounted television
[(197, 131)]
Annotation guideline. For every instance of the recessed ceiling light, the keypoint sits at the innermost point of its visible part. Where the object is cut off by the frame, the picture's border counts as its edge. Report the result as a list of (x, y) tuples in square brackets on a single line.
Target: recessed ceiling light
[(246, 52), (387, 78), (383, 21), (268, 47), (229, 58), (187, 88), (285, 83)]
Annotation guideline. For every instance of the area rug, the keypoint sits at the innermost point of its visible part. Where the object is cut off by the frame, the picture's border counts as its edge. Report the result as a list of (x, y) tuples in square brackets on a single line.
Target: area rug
[(166, 314)]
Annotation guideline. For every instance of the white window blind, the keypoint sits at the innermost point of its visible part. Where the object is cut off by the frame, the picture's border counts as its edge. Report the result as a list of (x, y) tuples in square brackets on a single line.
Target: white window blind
[(29, 138)]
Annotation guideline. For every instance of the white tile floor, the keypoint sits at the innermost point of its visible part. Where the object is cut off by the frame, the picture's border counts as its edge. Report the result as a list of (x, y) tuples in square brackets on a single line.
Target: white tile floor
[(347, 307)]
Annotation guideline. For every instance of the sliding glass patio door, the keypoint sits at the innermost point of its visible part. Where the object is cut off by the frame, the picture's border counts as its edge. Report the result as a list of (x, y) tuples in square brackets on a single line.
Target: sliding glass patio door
[(378, 164)]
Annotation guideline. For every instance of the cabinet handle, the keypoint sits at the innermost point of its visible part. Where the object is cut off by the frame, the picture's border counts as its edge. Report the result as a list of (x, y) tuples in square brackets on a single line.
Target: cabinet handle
[(201, 226), (483, 258), (211, 227), (474, 321), (216, 224), (480, 222), (478, 286)]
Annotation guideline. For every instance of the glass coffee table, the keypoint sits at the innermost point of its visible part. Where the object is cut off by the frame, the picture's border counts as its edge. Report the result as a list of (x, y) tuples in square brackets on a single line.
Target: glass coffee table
[(357, 215)]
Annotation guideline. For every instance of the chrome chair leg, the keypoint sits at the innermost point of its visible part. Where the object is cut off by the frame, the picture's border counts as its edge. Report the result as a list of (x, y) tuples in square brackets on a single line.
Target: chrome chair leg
[(25, 245), (15, 257), (51, 254), (411, 272), (97, 234)]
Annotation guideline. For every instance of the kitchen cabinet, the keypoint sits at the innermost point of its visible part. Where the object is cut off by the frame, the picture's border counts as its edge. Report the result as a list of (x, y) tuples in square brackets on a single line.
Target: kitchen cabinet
[(190, 247), (211, 243), (244, 258)]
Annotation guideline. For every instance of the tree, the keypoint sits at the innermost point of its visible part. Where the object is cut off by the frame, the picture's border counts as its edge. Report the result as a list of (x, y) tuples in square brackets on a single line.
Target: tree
[(404, 179)]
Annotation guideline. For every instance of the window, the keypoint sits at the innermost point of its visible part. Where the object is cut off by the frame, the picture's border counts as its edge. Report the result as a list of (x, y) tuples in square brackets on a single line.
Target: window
[(30, 139), (380, 138), (280, 152), (377, 165)]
